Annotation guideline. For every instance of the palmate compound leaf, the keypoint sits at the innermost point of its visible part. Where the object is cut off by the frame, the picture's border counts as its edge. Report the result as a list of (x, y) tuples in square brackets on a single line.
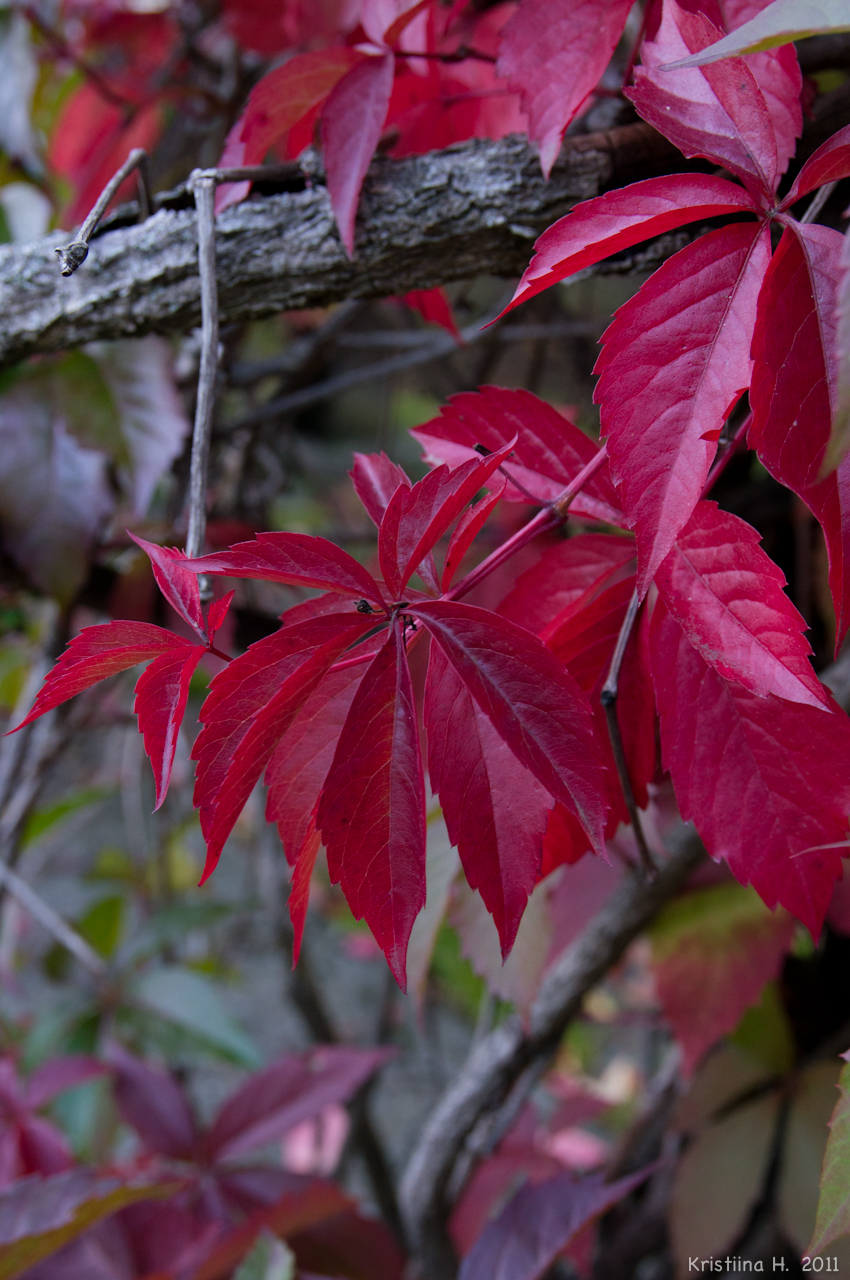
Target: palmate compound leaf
[(372, 811), (833, 1216), (610, 223), (793, 389), (352, 122), (766, 782), (727, 596), (554, 55), (673, 363), (533, 703)]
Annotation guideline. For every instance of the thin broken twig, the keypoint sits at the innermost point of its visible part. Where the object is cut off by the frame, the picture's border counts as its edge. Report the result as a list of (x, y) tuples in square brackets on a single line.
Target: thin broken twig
[(73, 255)]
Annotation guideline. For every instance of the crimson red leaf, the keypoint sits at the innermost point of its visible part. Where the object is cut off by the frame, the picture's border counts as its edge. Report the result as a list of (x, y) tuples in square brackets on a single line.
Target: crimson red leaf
[(250, 706), (375, 479), (726, 594), (554, 55), (563, 575), (299, 894), (674, 361), (549, 452), (162, 692), (58, 1074), (415, 519), (297, 559), (830, 162), (496, 811), (766, 782), (468, 527), (598, 228), (152, 1103), (793, 389), (352, 122), (372, 810), (716, 111), (296, 1087), (434, 308), (178, 584), (534, 704), (217, 612), (95, 654), (584, 634)]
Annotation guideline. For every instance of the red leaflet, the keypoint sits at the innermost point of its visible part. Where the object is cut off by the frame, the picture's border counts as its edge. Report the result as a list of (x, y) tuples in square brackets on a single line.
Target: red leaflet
[(563, 574), (299, 894), (793, 389), (716, 111), (778, 75), (95, 654), (583, 636), (217, 612), (352, 122), (674, 361), (162, 692), (375, 479), (250, 706), (534, 704), (467, 529), (619, 219), (726, 594), (434, 307), (496, 811), (286, 94), (554, 55), (549, 452), (415, 519), (830, 162), (765, 782), (152, 1102), (177, 583), (297, 559), (372, 810)]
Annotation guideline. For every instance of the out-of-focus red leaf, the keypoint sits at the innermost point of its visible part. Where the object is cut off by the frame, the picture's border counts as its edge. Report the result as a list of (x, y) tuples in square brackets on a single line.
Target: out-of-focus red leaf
[(777, 73), (151, 1102), (162, 692), (352, 123), (296, 559), (619, 219), (250, 706), (766, 782), (375, 478), (295, 1088), (534, 704), (287, 93), (830, 162), (726, 594), (554, 55), (495, 810), (674, 361), (372, 810), (58, 1074), (549, 452), (582, 891), (716, 111), (793, 389), (177, 583), (564, 842), (348, 1245), (434, 307), (467, 530)]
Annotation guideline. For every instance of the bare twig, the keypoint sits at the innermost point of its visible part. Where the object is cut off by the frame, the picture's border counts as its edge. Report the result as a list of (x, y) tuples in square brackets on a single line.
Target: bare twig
[(51, 921), (203, 185), (73, 255)]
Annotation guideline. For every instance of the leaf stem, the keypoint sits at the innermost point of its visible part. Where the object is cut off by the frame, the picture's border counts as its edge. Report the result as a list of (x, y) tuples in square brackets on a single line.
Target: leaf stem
[(203, 185)]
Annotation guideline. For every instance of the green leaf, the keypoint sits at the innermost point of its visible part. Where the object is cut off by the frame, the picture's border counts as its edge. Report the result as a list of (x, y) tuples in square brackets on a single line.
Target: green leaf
[(833, 1216), (765, 1033), (804, 1144), (780, 23), (268, 1260), (191, 1001), (41, 820), (77, 392), (101, 925)]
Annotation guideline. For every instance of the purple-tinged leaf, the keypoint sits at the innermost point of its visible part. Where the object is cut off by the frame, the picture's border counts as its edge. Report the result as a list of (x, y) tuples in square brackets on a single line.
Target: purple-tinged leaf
[(58, 1074), (151, 1102)]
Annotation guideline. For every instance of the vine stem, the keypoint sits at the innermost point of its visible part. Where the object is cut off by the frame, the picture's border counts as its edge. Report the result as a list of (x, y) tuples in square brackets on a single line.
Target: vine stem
[(203, 185)]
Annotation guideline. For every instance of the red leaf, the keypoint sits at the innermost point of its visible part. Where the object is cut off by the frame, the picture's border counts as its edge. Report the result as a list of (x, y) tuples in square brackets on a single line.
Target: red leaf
[(152, 1103), (549, 452), (434, 307), (534, 704), (777, 73), (297, 559), (583, 636), (598, 228), (372, 810), (496, 811), (716, 111), (563, 575), (415, 519), (178, 584), (288, 93), (95, 654), (674, 361), (793, 389), (249, 708), (352, 123), (830, 162), (765, 781), (554, 55), (348, 1245), (162, 692), (217, 612), (299, 894), (467, 530), (726, 594), (296, 1087), (375, 479)]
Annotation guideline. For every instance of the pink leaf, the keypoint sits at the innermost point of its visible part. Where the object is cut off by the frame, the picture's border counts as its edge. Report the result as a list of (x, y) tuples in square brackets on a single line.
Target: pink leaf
[(297, 559), (534, 704), (726, 594), (375, 479), (467, 530), (550, 451), (496, 811), (162, 692), (151, 1101), (372, 810), (598, 228), (352, 123), (674, 361), (793, 389), (766, 782), (830, 162)]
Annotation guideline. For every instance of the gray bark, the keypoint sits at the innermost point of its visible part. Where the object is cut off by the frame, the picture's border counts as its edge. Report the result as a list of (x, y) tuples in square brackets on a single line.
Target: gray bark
[(473, 208)]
